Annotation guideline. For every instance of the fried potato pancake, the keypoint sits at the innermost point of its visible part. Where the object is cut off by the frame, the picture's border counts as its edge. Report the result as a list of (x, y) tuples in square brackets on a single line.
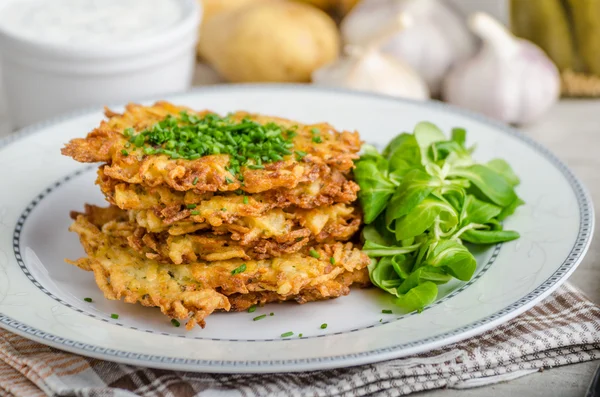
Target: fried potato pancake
[(337, 222), (327, 290), (193, 291), (272, 235), (327, 190), (335, 152)]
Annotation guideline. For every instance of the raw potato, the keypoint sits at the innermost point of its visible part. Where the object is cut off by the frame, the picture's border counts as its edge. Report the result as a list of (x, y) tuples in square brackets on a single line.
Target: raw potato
[(214, 7), (210, 8), (325, 5), (273, 41), (337, 8)]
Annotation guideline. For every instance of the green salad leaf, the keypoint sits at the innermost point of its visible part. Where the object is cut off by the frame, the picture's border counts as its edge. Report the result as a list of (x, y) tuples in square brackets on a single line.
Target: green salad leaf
[(423, 197)]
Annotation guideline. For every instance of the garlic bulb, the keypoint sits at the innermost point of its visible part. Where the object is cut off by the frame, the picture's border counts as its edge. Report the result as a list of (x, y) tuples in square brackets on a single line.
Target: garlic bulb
[(509, 79), (368, 69), (432, 45)]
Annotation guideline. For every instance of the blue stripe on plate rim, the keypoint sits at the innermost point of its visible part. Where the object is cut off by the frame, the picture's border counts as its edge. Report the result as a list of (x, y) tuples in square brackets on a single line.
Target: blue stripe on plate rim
[(582, 243)]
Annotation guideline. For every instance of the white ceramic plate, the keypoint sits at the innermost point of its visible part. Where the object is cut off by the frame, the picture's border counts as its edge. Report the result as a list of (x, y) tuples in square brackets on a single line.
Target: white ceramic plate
[(41, 297)]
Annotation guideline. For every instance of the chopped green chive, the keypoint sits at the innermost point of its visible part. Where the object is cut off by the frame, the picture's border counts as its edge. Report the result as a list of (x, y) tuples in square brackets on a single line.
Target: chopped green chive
[(301, 154), (115, 316), (195, 212), (87, 299), (386, 311), (299, 335), (195, 181), (315, 131), (314, 254), (239, 269), (251, 309), (324, 325), (380, 320), (189, 137), (271, 314), (124, 152), (223, 209), (299, 239), (259, 317), (191, 206), (287, 334), (175, 322), (317, 139), (332, 260), (245, 199), (139, 140)]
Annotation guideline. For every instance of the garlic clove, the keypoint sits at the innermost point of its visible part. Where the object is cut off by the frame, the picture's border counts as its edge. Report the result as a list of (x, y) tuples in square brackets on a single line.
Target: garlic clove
[(373, 71), (509, 79), (432, 45), (366, 68)]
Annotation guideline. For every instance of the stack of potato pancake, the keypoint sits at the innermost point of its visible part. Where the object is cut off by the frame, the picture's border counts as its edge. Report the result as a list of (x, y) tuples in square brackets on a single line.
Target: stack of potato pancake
[(211, 212)]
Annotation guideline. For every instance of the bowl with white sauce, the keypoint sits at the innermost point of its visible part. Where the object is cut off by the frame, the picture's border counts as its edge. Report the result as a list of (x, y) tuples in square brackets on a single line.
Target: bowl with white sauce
[(60, 55)]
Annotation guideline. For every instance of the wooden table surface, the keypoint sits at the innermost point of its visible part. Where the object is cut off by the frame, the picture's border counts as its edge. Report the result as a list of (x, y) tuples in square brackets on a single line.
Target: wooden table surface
[(572, 131)]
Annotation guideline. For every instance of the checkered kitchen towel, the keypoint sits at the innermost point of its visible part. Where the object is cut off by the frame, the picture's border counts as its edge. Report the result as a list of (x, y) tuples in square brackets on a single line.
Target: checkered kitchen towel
[(564, 329)]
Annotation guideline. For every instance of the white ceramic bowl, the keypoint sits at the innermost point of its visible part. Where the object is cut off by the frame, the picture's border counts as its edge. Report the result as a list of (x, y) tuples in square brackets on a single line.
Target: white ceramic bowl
[(43, 79)]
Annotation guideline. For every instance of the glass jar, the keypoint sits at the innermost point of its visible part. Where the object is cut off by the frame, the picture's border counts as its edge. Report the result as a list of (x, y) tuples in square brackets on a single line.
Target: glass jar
[(569, 32)]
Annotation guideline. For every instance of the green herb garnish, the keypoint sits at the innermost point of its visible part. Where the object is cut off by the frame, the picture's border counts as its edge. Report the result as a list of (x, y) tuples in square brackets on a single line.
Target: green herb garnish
[(324, 325), (239, 269), (124, 152), (251, 309), (195, 181), (386, 311), (191, 206), (114, 316), (317, 139), (422, 197), (195, 212), (87, 299), (245, 200), (188, 136), (332, 260), (314, 254), (175, 322), (299, 335), (287, 334), (259, 317), (271, 314), (300, 154)]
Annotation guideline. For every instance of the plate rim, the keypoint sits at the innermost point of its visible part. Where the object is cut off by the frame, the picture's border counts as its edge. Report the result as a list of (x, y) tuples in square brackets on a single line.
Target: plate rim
[(573, 259)]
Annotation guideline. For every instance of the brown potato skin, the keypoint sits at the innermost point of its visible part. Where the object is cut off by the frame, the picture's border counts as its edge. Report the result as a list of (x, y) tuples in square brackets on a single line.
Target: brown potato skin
[(273, 41)]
